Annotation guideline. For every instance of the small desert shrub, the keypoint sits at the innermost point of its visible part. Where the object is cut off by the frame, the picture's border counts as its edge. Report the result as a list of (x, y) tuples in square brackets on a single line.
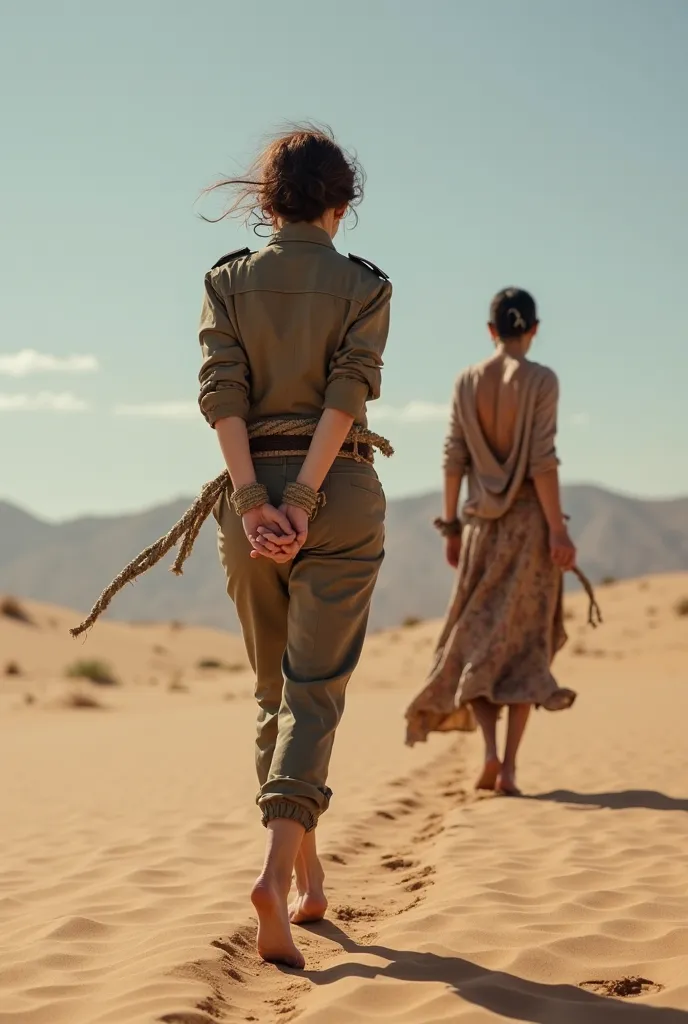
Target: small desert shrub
[(176, 626), (579, 649), (217, 664), (569, 614), (29, 699), (176, 686), (11, 608), (651, 612), (12, 669), (98, 672), (608, 581), (159, 649), (681, 607), (82, 700), (410, 621), (211, 663)]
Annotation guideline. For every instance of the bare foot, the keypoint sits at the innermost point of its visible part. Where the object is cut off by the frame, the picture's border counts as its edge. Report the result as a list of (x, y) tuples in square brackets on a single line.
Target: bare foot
[(308, 907), (310, 903), (506, 783), (275, 944), (560, 700), (490, 774)]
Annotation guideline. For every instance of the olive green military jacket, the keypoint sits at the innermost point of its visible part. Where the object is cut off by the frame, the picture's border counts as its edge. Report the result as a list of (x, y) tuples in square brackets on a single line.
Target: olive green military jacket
[(292, 329)]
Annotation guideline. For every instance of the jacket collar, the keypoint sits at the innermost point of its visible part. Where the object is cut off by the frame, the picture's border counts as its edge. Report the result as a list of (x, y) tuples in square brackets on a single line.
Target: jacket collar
[(302, 232)]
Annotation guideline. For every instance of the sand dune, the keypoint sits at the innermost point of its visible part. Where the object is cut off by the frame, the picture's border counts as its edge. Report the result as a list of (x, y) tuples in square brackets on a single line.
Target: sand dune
[(130, 839)]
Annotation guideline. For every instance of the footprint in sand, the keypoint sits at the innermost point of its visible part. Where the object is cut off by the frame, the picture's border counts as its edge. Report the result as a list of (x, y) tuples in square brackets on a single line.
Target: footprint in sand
[(419, 879), (397, 863), (347, 913), (430, 832), (420, 883), (622, 988)]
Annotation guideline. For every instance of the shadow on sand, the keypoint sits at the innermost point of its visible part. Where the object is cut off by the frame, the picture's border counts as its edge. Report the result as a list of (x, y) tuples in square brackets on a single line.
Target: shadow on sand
[(643, 799), (505, 995)]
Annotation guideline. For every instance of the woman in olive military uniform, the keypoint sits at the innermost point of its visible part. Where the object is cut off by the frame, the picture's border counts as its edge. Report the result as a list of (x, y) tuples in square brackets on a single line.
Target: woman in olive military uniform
[(292, 339)]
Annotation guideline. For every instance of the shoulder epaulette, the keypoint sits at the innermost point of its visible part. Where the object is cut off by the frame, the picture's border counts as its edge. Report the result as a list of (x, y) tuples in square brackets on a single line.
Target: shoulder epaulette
[(228, 257), (369, 265)]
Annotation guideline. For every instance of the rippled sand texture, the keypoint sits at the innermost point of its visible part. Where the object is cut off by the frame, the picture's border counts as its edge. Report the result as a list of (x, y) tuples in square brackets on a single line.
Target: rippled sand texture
[(130, 842)]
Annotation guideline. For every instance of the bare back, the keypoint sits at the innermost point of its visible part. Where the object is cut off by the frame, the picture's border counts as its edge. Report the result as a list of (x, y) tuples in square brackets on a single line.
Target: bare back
[(502, 430), (498, 384)]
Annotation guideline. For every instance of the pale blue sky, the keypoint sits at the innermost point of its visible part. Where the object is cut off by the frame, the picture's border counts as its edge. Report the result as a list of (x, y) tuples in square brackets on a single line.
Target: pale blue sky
[(532, 142)]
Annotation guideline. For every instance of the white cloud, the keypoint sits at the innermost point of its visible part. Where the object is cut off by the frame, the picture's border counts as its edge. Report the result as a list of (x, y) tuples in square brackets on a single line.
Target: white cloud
[(44, 401), (28, 361), (413, 412), (160, 410)]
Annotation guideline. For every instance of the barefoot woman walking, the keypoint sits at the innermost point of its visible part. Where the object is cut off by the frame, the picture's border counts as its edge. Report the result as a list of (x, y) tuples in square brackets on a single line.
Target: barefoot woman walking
[(292, 339), (504, 624)]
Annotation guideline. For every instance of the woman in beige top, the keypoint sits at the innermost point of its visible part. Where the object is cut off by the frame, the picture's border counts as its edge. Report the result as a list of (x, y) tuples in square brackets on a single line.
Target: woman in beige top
[(505, 622)]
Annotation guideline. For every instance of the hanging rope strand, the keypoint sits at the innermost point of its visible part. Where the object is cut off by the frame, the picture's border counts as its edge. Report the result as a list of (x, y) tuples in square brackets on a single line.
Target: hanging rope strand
[(594, 612), (185, 530)]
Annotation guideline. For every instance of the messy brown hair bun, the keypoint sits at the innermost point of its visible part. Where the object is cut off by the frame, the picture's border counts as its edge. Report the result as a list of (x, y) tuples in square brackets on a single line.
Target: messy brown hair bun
[(299, 174)]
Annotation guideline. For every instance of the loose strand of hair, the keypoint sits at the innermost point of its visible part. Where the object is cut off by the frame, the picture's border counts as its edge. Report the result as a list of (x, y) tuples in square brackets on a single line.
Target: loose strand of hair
[(246, 201)]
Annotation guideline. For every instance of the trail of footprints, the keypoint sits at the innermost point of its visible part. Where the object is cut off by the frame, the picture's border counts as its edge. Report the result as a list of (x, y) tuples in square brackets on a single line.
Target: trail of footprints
[(367, 882)]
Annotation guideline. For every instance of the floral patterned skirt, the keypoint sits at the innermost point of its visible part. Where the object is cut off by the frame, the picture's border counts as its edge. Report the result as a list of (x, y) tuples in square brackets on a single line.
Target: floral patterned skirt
[(503, 627)]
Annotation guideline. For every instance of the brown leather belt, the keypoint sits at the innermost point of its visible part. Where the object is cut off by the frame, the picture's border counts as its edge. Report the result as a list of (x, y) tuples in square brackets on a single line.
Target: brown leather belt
[(297, 445)]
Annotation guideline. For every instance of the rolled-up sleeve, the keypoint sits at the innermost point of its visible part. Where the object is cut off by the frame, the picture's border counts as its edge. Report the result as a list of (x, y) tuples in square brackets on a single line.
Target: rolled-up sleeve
[(224, 376), (543, 451), (355, 371), (456, 455)]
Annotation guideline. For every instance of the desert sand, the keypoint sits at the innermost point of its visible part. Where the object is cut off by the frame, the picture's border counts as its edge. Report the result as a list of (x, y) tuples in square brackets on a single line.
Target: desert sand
[(130, 838)]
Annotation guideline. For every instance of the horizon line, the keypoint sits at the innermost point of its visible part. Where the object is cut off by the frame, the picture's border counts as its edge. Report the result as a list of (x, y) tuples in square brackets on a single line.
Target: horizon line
[(391, 500)]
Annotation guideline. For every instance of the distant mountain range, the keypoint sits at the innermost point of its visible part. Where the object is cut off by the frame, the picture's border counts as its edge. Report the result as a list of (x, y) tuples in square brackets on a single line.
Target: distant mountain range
[(70, 563)]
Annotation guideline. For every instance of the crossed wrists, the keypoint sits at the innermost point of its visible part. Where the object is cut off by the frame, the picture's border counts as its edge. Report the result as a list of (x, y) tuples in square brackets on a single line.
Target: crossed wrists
[(248, 497)]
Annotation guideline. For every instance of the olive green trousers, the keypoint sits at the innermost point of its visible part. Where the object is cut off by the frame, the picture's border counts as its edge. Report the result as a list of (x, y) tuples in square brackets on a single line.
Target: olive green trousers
[(303, 625)]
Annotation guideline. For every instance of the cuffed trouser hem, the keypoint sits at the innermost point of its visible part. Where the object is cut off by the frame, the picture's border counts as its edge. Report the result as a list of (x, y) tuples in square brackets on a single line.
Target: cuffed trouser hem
[(288, 809)]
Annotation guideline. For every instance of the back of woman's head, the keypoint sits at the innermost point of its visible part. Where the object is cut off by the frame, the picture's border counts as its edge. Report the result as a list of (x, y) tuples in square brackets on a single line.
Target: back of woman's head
[(299, 175), (513, 313)]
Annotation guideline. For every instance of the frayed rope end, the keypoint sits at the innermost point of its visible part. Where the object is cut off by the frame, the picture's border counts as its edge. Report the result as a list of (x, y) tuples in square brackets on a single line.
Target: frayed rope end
[(185, 530)]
